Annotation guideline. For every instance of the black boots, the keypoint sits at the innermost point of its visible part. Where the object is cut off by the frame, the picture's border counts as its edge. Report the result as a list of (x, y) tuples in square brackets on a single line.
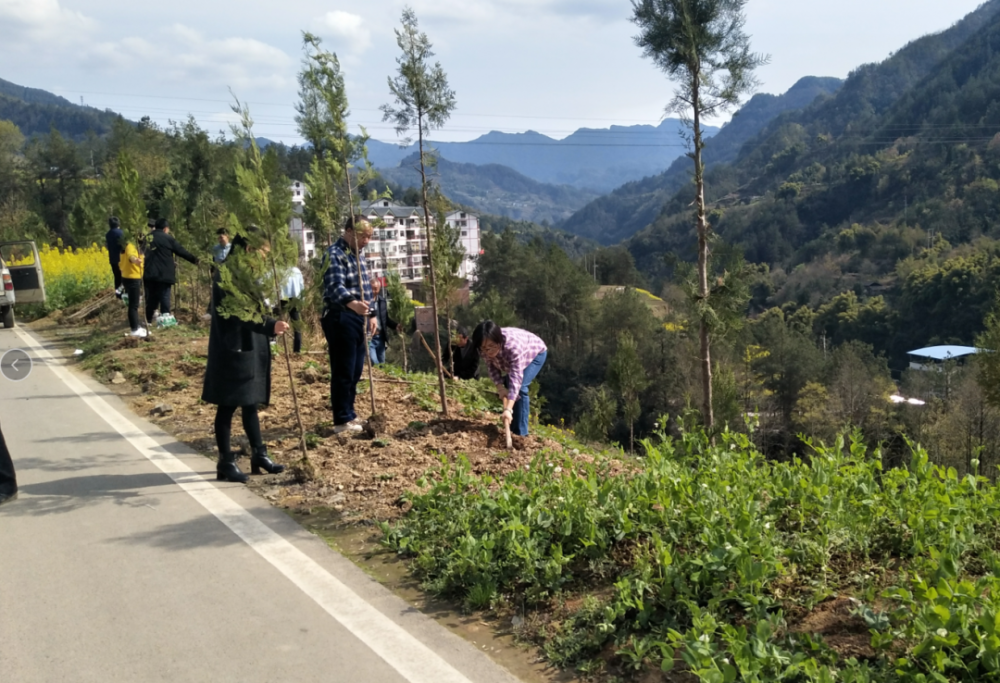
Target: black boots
[(260, 461), (8, 494), (227, 470)]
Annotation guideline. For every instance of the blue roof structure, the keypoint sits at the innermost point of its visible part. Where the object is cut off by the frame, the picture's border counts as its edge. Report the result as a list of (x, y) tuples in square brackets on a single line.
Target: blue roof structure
[(944, 352)]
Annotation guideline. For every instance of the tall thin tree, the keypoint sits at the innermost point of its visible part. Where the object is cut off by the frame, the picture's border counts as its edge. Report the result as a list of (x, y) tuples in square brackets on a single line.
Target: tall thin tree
[(322, 119), (423, 101), (252, 278), (701, 45)]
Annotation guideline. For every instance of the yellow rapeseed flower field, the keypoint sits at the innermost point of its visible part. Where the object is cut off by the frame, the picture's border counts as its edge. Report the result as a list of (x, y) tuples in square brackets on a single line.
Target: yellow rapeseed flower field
[(72, 275)]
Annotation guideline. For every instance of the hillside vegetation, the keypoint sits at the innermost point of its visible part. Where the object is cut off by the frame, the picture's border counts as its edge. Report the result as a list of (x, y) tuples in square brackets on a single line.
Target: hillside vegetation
[(37, 112), (631, 207), (495, 189)]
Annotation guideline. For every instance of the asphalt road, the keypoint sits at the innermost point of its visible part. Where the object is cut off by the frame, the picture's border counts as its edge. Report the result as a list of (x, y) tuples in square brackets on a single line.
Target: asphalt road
[(123, 560)]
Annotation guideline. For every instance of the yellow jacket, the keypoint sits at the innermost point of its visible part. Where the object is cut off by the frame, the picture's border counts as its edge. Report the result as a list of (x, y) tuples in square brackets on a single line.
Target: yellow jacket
[(130, 270)]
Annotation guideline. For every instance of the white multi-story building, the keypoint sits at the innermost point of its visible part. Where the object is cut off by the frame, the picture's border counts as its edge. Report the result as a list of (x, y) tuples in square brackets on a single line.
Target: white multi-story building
[(303, 235), (400, 240)]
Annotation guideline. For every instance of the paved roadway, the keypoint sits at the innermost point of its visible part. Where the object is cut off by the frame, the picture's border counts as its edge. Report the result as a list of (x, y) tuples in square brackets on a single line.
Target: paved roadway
[(123, 560)]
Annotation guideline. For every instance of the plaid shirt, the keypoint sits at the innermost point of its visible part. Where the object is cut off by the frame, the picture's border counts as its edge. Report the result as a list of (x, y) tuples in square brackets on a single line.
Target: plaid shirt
[(340, 282), (520, 348)]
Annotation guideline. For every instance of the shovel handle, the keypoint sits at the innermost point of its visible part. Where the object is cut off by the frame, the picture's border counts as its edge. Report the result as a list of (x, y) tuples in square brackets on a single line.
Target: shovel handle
[(506, 433)]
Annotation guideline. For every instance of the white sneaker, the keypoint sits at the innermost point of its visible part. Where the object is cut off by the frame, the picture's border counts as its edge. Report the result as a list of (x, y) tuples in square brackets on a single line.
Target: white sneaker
[(352, 427), (141, 332)]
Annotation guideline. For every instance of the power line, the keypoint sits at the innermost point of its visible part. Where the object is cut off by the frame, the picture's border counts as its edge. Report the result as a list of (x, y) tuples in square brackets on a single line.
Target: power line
[(288, 104)]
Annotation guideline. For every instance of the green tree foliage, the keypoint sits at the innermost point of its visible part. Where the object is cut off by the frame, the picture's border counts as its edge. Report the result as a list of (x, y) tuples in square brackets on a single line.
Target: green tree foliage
[(401, 308), (423, 100), (627, 378), (599, 412), (322, 113), (701, 45), (251, 277)]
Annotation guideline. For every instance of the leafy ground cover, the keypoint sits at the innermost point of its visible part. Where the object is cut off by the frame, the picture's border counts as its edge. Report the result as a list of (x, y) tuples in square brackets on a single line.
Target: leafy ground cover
[(714, 562)]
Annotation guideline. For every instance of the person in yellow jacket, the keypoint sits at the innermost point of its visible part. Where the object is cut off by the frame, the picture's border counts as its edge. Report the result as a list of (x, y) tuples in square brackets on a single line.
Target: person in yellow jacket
[(131, 263)]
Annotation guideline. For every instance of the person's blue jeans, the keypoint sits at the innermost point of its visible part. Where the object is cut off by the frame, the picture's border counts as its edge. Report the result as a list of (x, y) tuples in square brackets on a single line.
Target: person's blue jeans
[(345, 337), (521, 410), (376, 348)]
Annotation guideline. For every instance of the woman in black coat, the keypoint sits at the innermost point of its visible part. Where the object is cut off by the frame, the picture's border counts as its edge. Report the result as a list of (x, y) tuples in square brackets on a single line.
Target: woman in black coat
[(239, 375)]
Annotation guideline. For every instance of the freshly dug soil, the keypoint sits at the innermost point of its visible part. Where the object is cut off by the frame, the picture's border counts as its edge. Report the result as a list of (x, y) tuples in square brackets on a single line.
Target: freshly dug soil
[(363, 477)]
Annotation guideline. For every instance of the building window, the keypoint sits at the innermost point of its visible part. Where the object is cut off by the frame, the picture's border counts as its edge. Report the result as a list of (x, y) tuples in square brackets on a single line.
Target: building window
[(310, 238)]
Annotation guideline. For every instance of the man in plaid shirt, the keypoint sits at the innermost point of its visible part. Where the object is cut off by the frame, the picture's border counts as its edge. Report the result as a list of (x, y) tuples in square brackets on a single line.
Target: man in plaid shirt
[(345, 320)]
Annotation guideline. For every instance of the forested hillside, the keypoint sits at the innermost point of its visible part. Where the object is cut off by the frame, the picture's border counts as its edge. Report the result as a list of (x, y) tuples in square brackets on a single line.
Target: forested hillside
[(631, 207), (496, 189), (826, 166), (36, 112), (874, 212)]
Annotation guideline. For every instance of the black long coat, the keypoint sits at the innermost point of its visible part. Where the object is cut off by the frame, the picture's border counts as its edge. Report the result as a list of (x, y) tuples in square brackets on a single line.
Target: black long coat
[(239, 359)]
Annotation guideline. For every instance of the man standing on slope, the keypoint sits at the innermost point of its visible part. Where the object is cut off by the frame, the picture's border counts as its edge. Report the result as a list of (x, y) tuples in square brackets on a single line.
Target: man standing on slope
[(161, 271), (113, 239), (346, 324)]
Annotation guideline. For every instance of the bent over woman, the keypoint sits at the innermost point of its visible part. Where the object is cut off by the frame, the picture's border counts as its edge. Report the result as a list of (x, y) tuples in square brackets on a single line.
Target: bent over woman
[(514, 357), (238, 375)]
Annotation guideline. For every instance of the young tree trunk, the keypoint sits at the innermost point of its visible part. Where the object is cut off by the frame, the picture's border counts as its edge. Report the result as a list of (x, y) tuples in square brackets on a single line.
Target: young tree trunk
[(430, 264), (306, 467), (451, 354), (702, 222)]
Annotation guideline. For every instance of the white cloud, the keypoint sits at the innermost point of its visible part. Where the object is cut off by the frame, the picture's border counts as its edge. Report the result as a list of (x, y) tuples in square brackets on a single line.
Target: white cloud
[(348, 31), (185, 55), (24, 22)]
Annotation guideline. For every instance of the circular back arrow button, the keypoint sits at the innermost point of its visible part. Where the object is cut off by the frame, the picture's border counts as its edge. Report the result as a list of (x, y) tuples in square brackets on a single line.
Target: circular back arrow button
[(15, 365)]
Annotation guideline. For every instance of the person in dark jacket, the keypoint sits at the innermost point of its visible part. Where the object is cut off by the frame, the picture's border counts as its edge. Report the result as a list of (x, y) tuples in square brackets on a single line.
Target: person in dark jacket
[(160, 270), (380, 311), (238, 375), (113, 240), (8, 480), (465, 354)]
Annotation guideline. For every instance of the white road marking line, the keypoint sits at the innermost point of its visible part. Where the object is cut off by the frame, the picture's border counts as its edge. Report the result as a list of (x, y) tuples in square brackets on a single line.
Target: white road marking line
[(412, 659)]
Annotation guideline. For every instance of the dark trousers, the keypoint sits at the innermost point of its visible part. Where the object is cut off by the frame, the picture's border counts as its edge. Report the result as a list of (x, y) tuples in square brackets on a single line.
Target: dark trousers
[(224, 429), (157, 295), (133, 289), (345, 337), (8, 481), (116, 270), (293, 313)]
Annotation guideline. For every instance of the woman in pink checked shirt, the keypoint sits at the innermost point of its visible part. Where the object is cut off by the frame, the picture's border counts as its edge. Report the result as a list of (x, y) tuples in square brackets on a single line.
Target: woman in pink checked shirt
[(514, 358)]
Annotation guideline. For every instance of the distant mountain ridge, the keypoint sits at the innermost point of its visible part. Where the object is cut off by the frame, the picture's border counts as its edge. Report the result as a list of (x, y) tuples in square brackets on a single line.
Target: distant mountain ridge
[(633, 206), (905, 144), (37, 112), (495, 189), (591, 159)]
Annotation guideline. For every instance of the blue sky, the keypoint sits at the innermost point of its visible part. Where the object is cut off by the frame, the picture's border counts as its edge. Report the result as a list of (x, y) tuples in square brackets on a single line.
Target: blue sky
[(546, 65)]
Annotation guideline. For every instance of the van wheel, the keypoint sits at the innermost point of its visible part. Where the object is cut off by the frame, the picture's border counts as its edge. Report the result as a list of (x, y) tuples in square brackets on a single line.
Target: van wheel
[(8, 317)]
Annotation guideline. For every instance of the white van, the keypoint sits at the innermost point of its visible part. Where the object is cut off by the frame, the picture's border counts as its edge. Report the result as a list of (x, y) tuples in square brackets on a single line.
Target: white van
[(22, 282)]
